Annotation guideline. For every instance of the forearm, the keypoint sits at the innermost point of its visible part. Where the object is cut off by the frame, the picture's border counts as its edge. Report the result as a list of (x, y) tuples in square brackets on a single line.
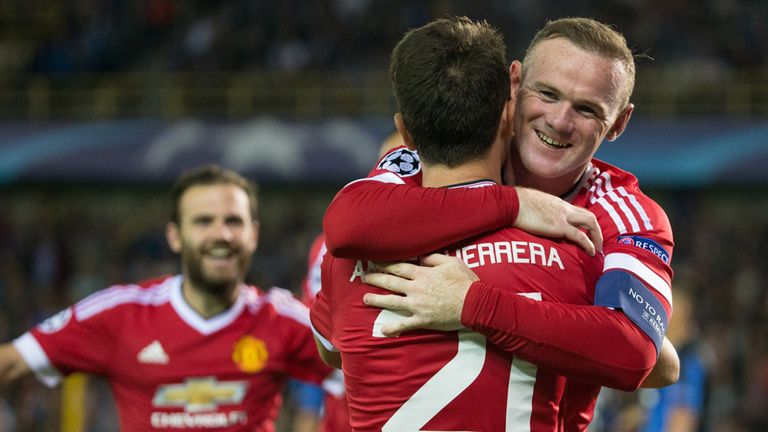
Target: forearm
[(667, 368), (387, 222), (12, 365), (592, 344)]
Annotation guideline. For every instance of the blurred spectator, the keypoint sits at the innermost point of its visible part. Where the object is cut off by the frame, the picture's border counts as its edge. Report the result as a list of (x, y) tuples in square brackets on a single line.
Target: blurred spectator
[(292, 35), (679, 407)]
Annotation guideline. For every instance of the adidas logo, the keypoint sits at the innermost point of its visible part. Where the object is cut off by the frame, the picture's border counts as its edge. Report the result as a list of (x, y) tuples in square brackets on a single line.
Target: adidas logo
[(153, 354)]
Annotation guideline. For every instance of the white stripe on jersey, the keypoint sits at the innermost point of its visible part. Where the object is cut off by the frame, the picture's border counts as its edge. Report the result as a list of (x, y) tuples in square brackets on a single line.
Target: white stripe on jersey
[(602, 188), (522, 380), (627, 212), (612, 213), (598, 197), (638, 207), (628, 262), (286, 304), (387, 177), (121, 294)]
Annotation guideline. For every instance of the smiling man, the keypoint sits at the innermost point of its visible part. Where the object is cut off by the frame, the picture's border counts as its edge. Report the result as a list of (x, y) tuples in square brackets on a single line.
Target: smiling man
[(572, 92), (201, 350)]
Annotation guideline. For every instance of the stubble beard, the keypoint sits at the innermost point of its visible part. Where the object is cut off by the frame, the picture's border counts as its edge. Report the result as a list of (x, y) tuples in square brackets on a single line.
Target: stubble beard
[(210, 284)]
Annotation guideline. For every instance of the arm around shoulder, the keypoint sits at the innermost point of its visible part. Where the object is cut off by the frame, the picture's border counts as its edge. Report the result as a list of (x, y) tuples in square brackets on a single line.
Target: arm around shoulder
[(387, 222)]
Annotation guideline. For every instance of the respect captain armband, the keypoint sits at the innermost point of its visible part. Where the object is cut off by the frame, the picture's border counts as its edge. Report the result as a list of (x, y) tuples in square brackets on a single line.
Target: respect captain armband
[(621, 290)]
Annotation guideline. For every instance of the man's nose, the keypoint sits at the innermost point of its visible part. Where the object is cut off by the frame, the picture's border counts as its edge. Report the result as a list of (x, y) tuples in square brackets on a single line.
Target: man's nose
[(223, 231), (561, 119)]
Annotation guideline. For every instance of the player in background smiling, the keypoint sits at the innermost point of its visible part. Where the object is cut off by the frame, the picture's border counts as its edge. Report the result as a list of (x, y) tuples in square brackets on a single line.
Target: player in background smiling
[(196, 351)]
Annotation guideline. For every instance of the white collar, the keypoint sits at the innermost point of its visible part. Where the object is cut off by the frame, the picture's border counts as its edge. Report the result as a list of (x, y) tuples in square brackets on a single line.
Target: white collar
[(190, 316)]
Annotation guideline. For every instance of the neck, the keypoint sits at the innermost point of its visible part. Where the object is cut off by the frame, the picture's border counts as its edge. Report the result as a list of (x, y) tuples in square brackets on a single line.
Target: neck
[(206, 302), (441, 175), (558, 186)]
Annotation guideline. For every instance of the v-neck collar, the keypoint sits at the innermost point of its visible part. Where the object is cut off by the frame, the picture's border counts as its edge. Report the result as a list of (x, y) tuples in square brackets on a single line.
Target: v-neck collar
[(193, 318)]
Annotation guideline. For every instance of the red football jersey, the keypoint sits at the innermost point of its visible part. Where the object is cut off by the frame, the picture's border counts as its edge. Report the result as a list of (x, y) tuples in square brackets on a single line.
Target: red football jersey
[(637, 236), (171, 369), (638, 241), (335, 417), (428, 380)]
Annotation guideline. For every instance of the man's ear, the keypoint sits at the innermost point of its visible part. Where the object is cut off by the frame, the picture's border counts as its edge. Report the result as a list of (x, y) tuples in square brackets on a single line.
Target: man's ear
[(507, 126), (403, 131), (173, 236), (515, 77), (621, 123)]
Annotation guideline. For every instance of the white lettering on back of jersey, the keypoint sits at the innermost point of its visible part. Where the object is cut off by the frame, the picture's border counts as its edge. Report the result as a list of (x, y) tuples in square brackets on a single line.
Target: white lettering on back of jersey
[(358, 271), (512, 252), (361, 267)]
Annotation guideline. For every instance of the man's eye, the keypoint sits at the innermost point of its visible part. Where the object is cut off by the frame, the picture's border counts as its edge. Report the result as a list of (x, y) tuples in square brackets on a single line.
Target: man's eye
[(587, 110), (234, 221), (547, 94)]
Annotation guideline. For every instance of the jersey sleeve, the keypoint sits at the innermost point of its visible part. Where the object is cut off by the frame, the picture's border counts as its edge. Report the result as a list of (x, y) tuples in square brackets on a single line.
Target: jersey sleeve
[(321, 314), (69, 342), (312, 283), (302, 359), (638, 245), (388, 216), (601, 346)]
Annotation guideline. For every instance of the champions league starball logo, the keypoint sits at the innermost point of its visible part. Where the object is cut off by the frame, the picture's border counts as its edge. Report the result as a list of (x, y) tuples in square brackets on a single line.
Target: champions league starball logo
[(56, 322), (402, 162), (626, 241)]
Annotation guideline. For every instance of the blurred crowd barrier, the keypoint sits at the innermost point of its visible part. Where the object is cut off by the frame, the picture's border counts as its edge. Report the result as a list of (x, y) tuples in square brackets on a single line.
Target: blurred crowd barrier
[(660, 92)]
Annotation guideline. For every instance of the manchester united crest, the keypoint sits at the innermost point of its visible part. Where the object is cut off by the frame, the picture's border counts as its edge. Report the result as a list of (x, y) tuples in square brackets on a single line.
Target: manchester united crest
[(250, 354)]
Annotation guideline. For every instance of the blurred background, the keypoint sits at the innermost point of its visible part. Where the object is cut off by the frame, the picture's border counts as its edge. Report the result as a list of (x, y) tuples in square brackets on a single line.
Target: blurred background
[(104, 102)]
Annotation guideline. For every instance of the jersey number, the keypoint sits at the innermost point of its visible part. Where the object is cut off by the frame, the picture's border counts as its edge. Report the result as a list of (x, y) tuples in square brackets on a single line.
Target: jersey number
[(455, 377)]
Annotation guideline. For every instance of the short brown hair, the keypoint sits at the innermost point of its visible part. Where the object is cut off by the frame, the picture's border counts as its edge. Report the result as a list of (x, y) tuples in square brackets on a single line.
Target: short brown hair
[(593, 36), (206, 175), (450, 80)]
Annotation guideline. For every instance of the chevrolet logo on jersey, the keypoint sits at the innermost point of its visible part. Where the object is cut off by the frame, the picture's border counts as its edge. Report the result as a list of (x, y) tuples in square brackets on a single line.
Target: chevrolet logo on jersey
[(200, 394)]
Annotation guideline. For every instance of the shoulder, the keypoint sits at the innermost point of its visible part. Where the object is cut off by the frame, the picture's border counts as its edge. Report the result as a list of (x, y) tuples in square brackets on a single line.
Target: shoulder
[(279, 301), (399, 166), (614, 195), (401, 161), (152, 292)]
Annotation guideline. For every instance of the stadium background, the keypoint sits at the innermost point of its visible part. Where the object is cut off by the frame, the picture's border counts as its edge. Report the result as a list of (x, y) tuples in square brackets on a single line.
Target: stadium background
[(103, 103)]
